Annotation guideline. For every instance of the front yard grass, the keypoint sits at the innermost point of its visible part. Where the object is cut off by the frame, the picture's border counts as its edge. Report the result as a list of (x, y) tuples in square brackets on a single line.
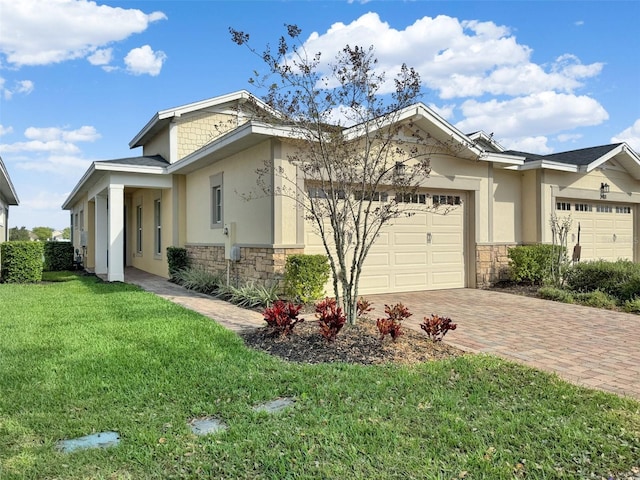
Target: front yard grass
[(82, 356)]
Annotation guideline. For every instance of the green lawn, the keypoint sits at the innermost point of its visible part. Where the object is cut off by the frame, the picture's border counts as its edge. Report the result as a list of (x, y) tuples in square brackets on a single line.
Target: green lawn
[(81, 356)]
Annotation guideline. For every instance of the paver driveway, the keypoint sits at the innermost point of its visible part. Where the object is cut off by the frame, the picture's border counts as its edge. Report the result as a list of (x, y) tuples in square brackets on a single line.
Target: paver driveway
[(588, 346)]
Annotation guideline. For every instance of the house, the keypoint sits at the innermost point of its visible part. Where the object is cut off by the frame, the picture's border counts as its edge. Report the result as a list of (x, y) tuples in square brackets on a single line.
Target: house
[(8, 197), (197, 160)]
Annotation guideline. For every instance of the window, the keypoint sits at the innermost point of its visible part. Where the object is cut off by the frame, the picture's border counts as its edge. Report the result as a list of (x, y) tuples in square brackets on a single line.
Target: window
[(1, 216), (604, 208), (139, 229), (157, 219), (411, 198), (217, 201), (623, 209), (583, 207), (81, 224), (446, 200), (373, 197), (75, 223), (317, 192), (563, 206)]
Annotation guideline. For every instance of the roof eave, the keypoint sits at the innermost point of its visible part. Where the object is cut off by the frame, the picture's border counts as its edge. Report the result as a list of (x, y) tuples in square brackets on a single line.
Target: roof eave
[(9, 191)]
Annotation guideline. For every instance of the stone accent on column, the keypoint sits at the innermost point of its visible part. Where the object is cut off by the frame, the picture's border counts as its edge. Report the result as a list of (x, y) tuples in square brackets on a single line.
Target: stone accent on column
[(492, 264)]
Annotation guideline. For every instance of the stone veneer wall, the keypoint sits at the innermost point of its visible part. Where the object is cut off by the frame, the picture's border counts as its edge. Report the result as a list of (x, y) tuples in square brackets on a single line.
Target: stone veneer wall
[(492, 264), (258, 264)]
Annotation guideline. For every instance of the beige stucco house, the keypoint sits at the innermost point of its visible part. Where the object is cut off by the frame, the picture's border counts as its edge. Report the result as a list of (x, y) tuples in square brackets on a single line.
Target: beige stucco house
[(198, 159), (8, 197)]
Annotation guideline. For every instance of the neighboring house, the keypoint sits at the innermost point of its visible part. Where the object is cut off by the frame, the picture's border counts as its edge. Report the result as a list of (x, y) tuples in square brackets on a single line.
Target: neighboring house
[(8, 197), (184, 190)]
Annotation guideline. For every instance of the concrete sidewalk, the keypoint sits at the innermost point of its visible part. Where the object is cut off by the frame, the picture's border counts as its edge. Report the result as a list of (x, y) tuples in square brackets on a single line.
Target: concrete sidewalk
[(587, 346)]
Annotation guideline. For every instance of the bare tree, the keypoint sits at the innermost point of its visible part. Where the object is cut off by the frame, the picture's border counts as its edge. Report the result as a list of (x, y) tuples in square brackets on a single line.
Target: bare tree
[(356, 148)]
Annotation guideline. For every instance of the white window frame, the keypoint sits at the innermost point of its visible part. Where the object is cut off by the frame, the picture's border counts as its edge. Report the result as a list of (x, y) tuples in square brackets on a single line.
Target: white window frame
[(217, 201), (139, 229), (157, 223)]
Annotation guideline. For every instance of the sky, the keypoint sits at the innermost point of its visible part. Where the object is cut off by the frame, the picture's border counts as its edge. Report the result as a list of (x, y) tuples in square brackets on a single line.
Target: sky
[(79, 79)]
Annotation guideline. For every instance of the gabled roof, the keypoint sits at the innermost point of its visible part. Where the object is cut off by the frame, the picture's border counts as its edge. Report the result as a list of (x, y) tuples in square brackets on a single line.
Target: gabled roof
[(150, 164), (163, 117), (583, 160), (7, 191)]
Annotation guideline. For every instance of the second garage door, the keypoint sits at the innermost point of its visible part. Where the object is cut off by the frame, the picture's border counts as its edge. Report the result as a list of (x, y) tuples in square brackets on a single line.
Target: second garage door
[(424, 251), (606, 229)]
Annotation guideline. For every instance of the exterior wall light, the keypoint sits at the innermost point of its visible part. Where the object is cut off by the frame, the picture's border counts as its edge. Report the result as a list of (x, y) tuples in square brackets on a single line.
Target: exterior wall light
[(604, 189)]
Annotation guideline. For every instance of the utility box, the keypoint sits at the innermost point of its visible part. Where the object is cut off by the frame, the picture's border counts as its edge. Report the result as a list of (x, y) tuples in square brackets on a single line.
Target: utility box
[(235, 253), (229, 239)]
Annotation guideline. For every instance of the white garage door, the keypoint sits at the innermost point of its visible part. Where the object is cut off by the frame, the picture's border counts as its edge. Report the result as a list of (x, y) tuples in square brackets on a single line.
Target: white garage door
[(425, 251), (606, 229)]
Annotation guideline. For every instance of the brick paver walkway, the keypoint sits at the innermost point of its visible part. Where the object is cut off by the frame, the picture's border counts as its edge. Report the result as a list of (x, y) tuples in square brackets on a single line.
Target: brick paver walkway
[(591, 347)]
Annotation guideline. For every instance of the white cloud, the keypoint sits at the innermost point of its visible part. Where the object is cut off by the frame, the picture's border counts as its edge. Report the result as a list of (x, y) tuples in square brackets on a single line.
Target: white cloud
[(101, 57), (630, 135), (456, 58), (59, 164), (52, 141), (569, 137), (538, 114), (5, 130), (528, 144), (24, 87), (83, 134), (41, 32), (445, 111), (45, 200), (144, 60)]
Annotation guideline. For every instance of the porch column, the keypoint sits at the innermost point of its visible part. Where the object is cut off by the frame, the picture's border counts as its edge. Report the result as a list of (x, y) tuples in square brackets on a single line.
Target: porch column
[(116, 234), (101, 249)]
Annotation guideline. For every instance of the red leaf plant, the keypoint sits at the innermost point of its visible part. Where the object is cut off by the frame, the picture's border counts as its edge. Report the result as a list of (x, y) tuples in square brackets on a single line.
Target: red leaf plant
[(392, 325), (437, 327), (363, 306), (281, 317), (331, 318)]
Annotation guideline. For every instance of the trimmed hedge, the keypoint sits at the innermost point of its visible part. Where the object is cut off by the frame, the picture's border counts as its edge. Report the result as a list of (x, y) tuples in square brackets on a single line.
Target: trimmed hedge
[(531, 263), (21, 261), (305, 277), (178, 260), (58, 256), (620, 279)]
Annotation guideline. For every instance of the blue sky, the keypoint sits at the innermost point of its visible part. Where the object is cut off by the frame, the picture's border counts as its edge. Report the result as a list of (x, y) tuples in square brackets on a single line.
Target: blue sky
[(79, 79)]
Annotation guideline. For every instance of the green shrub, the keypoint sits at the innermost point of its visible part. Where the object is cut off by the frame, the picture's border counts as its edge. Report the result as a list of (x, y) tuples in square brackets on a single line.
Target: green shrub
[(531, 263), (249, 295), (597, 299), (632, 306), (58, 256), (305, 277), (21, 261), (178, 259), (199, 279), (620, 279), (556, 294)]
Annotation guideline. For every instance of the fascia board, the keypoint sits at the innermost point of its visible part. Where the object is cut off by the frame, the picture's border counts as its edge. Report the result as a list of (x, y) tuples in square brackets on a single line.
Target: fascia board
[(9, 190), (419, 110), (630, 155), (563, 167), (111, 167), (512, 160), (68, 202)]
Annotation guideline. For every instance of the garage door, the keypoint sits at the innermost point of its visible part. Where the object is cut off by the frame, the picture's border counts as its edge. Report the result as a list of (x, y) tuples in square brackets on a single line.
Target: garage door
[(424, 251), (606, 229)]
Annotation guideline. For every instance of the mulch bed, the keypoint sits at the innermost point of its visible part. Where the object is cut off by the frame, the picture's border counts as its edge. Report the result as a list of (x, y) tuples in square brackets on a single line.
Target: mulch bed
[(358, 344)]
